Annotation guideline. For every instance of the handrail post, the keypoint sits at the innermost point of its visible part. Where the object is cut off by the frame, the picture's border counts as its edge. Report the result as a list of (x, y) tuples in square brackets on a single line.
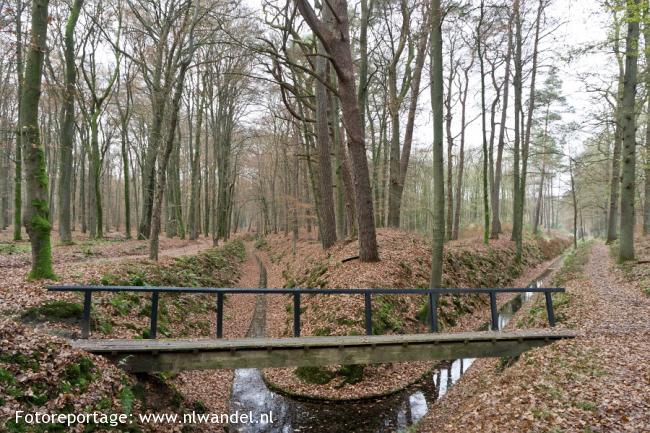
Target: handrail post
[(433, 312), (368, 311), (85, 321), (220, 315), (296, 314), (549, 308), (154, 316), (493, 311)]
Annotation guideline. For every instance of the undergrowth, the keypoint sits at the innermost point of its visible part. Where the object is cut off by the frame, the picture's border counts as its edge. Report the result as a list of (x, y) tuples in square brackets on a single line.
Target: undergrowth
[(574, 263), (216, 267)]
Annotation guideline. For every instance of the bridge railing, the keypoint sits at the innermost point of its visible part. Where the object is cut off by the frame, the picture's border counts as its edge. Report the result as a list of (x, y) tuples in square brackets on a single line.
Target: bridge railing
[(432, 294)]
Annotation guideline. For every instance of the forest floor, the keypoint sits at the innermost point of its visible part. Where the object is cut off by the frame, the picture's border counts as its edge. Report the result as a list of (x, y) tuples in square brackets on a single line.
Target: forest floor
[(595, 383), (40, 371), (598, 382), (405, 263), (84, 258)]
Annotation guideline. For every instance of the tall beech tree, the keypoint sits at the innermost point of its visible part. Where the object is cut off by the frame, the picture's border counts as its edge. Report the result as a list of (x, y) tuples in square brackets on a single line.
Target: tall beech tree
[(67, 135), (336, 41), (36, 215), (496, 186), (628, 125), (437, 87), (615, 177), (646, 198), (97, 105), (18, 167), (327, 216)]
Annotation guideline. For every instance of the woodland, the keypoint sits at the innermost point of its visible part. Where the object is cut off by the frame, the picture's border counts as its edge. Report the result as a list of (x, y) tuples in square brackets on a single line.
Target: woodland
[(333, 143)]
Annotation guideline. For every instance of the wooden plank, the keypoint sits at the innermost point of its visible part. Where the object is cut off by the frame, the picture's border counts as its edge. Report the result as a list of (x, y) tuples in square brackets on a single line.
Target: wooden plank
[(179, 355), (335, 341)]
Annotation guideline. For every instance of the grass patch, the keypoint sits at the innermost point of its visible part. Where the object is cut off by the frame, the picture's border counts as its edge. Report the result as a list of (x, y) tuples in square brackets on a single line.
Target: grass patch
[(537, 313), (352, 373), (574, 263), (215, 267), (385, 316), (54, 310), (15, 248), (261, 243), (586, 405)]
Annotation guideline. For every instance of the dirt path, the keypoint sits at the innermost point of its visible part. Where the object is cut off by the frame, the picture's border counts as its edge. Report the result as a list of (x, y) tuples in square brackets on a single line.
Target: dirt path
[(626, 310), (598, 382), (213, 387)]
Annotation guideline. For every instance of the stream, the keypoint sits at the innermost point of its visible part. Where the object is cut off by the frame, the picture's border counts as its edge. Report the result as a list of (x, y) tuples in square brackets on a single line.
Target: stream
[(392, 413)]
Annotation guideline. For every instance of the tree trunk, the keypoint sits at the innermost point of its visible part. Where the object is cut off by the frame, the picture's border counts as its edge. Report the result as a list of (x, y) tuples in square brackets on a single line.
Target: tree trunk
[(36, 215), (646, 201), (628, 117), (486, 204), (615, 179), (163, 162), (496, 196), (67, 128), (124, 117), (538, 203), (18, 172), (158, 106), (195, 183), (461, 156), (327, 217), (575, 206), (438, 169), (337, 45)]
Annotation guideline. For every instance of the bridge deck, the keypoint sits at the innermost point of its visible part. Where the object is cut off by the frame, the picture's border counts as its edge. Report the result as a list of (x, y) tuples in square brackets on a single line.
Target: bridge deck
[(193, 354)]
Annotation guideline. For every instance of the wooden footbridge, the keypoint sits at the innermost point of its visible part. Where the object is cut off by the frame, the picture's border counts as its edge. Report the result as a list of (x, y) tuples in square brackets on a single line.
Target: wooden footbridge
[(153, 354)]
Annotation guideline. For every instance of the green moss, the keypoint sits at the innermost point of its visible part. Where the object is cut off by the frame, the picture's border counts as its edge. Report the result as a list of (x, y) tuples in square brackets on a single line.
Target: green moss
[(39, 230), (261, 243), (310, 278), (386, 316), (54, 310), (200, 407), (78, 375), (41, 173), (124, 302), (21, 360), (316, 375), (7, 377), (537, 312), (586, 405), (352, 373), (216, 267), (505, 362)]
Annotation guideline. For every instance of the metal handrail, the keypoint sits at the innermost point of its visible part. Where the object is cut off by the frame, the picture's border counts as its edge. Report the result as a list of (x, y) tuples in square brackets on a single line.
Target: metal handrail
[(433, 295)]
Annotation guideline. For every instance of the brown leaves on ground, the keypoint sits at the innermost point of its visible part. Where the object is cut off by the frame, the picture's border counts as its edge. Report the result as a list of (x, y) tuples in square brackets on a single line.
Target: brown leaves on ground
[(127, 316), (43, 373), (405, 262), (597, 382)]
